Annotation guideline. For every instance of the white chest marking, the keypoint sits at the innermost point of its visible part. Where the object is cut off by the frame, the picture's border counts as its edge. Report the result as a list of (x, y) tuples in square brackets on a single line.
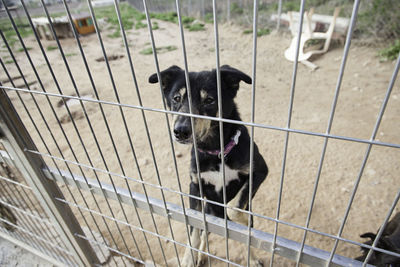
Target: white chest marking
[(215, 177)]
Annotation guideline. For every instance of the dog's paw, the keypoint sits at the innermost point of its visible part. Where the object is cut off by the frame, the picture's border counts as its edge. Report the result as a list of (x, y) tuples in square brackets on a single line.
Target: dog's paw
[(201, 259), (187, 261), (171, 262), (237, 216)]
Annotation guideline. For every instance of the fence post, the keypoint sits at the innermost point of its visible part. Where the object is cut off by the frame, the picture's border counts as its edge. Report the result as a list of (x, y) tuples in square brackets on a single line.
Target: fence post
[(46, 190)]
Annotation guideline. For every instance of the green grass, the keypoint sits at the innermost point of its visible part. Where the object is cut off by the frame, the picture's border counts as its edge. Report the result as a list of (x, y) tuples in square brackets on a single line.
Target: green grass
[(155, 26), (260, 32), (131, 17), (236, 9), (195, 27), (70, 54), (11, 36), (21, 49), (391, 52), (160, 50), (115, 34), (51, 47), (140, 25), (9, 61), (208, 18)]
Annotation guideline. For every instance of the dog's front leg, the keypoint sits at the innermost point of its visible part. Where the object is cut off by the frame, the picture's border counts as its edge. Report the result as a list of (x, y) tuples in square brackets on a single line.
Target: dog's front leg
[(190, 256), (241, 201)]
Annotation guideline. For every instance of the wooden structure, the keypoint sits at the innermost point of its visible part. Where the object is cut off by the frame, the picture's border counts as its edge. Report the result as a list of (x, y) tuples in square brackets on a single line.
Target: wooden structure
[(83, 23), (61, 27)]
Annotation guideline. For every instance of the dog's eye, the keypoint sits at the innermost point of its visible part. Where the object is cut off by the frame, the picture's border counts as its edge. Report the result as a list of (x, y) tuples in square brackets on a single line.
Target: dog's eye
[(177, 98), (208, 101)]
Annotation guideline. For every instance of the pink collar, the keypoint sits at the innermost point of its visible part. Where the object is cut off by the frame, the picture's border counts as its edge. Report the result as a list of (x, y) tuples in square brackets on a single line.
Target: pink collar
[(234, 141)]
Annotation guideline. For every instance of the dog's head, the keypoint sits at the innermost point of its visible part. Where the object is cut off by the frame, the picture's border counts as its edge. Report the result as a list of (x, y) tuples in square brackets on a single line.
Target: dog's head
[(203, 86)]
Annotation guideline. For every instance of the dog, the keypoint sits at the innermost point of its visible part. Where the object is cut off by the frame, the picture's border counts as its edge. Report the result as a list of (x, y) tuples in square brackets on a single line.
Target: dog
[(203, 86), (390, 240)]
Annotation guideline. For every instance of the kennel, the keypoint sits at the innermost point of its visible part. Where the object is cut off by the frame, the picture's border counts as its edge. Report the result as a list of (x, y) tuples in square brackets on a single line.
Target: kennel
[(83, 23), (101, 182)]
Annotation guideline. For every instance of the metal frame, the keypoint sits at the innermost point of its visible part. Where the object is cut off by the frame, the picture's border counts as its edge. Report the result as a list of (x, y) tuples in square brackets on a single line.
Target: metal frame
[(43, 180), (62, 217)]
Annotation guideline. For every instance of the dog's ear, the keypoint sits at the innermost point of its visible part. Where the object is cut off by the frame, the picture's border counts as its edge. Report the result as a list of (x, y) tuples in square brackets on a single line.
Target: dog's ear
[(167, 76), (368, 235), (232, 77)]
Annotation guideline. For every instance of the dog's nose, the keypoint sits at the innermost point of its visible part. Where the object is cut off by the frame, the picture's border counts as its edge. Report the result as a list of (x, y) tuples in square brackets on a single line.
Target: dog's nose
[(182, 132)]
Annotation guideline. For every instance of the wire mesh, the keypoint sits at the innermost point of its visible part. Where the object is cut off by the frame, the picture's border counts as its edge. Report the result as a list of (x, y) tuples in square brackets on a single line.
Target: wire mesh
[(108, 144), (23, 218)]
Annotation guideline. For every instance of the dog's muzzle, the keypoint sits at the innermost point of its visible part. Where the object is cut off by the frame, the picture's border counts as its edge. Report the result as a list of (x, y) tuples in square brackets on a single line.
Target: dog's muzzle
[(183, 130)]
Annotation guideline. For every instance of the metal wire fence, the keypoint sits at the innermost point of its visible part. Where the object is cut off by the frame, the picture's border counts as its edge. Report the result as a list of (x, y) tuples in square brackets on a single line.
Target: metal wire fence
[(90, 173)]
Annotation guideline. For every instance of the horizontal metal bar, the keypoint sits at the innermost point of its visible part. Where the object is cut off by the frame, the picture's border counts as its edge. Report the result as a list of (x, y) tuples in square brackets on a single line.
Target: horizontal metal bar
[(31, 249), (264, 126), (198, 198), (145, 231), (116, 251), (14, 182), (36, 236), (284, 247), (206, 201), (36, 217)]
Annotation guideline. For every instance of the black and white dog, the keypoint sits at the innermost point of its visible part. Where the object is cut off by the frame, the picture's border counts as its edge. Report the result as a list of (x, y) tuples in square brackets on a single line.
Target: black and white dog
[(203, 87)]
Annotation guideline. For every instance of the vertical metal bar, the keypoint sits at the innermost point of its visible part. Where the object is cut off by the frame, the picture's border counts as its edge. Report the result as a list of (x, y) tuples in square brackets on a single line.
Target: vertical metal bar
[(292, 90), (253, 104), (62, 129), (145, 124), (23, 77), (278, 23), (107, 126), (192, 122), (71, 116), (88, 120), (45, 189), (228, 15), (149, 26), (127, 131), (33, 122), (366, 156), (29, 225), (330, 121), (17, 239), (221, 125), (382, 228)]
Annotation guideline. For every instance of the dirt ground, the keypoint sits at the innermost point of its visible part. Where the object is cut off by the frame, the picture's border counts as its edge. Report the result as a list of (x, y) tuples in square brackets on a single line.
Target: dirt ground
[(363, 88)]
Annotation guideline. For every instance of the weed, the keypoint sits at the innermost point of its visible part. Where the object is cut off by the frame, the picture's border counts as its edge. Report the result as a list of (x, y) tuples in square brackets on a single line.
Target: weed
[(51, 47), (140, 25), (236, 9), (260, 32), (380, 18), (172, 17), (209, 18), (22, 26), (147, 51), (155, 25), (162, 49), (195, 27), (391, 52), (21, 49), (115, 34), (70, 54), (128, 15)]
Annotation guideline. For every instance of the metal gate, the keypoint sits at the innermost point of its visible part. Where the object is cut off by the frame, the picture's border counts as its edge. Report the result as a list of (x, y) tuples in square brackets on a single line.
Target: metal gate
[(84, 183)]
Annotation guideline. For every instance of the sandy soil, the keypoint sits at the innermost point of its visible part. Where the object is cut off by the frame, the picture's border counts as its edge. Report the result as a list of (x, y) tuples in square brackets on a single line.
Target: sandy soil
[(363, 88)]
